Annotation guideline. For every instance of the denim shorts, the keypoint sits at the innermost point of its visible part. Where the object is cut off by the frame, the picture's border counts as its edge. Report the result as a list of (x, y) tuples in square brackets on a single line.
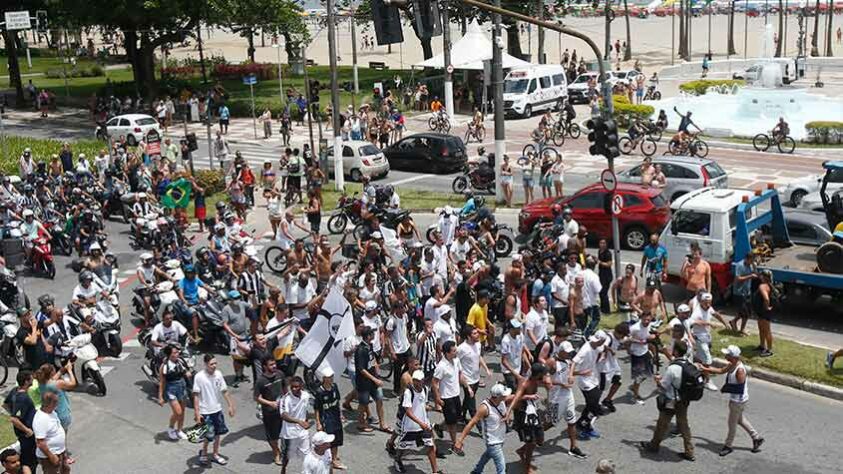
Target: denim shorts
[(364, 397), (176, 390), (215, 422)]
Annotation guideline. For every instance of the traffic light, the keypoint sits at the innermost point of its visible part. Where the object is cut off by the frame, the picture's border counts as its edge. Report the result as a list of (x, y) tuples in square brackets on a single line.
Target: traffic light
[(314, 91), (41, 21), (603, 135), (387, 20), (427, 18), (192, 144)]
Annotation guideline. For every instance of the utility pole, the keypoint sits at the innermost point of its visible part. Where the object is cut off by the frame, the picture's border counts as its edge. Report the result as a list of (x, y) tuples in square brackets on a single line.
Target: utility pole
[(540, 46), (208, 116), (449, 78), (672, 33), (277, 45), (308, 97), (497, 90), (709, 28), (354, 59), (607, 44), (201, 53), (745, 29), (339, 178)]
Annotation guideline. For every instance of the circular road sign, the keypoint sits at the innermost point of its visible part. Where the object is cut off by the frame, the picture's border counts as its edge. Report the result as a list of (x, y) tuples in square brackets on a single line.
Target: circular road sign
[(450, 69), (608, 180), (617, 204)]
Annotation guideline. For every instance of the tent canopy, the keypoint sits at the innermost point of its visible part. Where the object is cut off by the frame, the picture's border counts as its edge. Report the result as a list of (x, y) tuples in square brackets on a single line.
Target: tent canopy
[(470, 51)]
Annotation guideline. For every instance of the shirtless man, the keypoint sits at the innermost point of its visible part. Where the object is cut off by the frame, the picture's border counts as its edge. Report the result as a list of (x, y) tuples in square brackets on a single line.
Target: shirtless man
[(322, 264), (624, 290), (696, 272), (524, 407), (651, 301), (514, 277), (576, 310), (648, 171), (299, 255)]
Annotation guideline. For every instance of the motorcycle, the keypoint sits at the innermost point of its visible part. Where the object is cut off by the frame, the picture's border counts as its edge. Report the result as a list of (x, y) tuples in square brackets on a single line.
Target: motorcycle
[(144, 231), (41, 258), (9, 349), (473, 178), (85, 354), (211, 304), (107, 324), (153, 361), (11, 292), (387, 217), (114, 203), (348, 210), (61, 242), (162, 294)]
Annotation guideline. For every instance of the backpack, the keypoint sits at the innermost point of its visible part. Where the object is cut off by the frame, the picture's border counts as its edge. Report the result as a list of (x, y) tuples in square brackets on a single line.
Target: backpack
[(692, 383)]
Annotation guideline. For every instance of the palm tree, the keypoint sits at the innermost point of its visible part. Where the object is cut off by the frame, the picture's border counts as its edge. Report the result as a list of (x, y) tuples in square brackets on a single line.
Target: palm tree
[(627, 54), (830, 14), (815, 38), (731, 30), (781, 30)]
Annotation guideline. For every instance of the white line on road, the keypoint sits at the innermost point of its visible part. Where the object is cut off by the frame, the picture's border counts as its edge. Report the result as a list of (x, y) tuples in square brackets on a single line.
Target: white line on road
[(411, 179), (132, 343), (105, 370)]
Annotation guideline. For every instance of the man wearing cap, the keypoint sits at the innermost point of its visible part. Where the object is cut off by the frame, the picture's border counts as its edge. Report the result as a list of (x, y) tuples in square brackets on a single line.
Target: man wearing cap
[(513, 352), (701, 322), (326, 406), (561, 405), (585, 363), (447, 379), (651, 301), (736, 388), (641, 362), (526, 416), (492, 415), (270, 385), (26, 164), (236, 325), (30, 229), (680, 330), (319, 458), (416, 430)]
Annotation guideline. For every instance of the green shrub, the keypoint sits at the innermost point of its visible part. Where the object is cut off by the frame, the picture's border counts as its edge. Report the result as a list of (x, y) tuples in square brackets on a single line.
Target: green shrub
[(210, 180), (93, 71), (626, 112), (824, 132), (42, 150), (701, 86)]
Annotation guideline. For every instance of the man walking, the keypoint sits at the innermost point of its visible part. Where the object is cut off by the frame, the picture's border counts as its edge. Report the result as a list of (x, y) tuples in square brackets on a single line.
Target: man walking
[(447, 379), (21, 411), (585, 365), (269, 386), (326, 406), (701, 331), (208, 390), (294, 407), (415, 424), (471, 360), (491, 414)]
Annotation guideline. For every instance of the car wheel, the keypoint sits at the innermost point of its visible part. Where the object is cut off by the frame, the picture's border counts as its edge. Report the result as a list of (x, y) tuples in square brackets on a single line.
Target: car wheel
[(528, 111), (131, 140), (635, 238), (356, 175), (797, 196)]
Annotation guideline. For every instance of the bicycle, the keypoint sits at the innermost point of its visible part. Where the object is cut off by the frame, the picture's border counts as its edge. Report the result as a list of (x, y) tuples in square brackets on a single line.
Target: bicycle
[(478, 132), (647, 145), (692, 146), (652, 94), (545, 153), (784, 143), (439, 122)]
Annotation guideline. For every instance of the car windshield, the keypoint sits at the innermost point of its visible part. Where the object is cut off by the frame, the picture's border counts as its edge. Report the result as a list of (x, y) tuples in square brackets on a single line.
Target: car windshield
[(368, 150), (582, 78), (518, 86), (621, 75), (146, 121)]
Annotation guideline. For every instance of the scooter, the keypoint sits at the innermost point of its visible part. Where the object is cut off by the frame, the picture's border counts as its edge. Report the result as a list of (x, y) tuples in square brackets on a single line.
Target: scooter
[(42, 258), (107, 324), (9, 349), (85, 353), (148, 226)]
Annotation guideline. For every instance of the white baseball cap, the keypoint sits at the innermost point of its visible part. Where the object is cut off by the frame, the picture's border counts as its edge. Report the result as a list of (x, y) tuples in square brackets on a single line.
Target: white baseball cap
[(731, 351), (598, 336), (706, 297), (443, 310), (320, 437), (515, 324), (326, 371), (683, 308), (370, 306), (500, 390), (418, 375), (566, 347)]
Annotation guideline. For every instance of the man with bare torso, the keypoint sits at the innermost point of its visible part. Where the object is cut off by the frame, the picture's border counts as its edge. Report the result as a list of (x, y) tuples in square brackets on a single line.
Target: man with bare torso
[(526, 421), (625, 289), (322, 263), (575, 301), (651, 301), (299, 255)]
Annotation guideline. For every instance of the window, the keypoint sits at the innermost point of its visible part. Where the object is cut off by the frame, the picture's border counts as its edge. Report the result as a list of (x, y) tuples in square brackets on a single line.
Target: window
[(533, 86), (558, 79), (630, 200), (835, 176), (347, 151), (145, 121), (112, 122), (545, 82), (636, 172), (714, 170), (515, 87), (692, 222), (125, 123), (801, 231), (367, 150), (593, 200)]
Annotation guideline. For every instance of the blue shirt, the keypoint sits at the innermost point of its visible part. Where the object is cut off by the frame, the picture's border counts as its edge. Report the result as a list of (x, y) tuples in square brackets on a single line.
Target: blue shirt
[(224, 113), (655, 257), (190, 288), (743, 288), (469, 207)]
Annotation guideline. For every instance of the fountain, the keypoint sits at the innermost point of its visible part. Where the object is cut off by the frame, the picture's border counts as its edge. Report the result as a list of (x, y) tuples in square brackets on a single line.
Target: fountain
[(755, 108)]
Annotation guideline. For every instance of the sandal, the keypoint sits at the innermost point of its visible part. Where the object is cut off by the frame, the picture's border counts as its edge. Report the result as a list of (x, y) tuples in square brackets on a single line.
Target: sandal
[(387, 430), (367, 429)]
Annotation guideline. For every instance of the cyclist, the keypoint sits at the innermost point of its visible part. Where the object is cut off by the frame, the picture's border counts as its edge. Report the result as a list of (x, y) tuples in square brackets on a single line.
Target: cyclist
[(477, 120), (781, 130), (436, 106), (547, 119), (569, 113), (636, 130), (661, 122), (540, 135), (683, 134)]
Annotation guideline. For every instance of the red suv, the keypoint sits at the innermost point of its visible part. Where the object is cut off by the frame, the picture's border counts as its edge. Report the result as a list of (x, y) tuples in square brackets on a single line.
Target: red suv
[(645, 211)]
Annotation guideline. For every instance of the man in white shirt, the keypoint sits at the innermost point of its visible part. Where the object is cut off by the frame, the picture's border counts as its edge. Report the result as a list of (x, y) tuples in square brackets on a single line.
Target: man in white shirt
[(294, 407), (445, 328), (591, 296), (415, 424), (536, 323), (50, 436), (559, 292), (318, 459), (585, 363), (471, 360), (447, 379), (399, 344), (427, 273), (440, 257), (572, 268), (436, 301), (701, 323), (561, 404), (571, 226), (208, 388), (679, 329), (639, 353), (166, 332), (300, 291), (513, 352), (610, 370)]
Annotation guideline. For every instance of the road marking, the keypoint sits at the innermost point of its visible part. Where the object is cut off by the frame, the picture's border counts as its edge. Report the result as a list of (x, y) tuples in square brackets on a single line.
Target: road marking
[(128, 272), (412, 179), (123, 356), (105, 370), (131, 343), (122, 279)]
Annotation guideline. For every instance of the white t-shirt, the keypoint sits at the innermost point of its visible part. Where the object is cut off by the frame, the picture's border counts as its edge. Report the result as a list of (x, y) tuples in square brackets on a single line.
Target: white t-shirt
[(459, 250), (161, 333), (47, 426), (700, 314), (397, 329), (430, 310), (560, 291), (429, 281), (295, 407), (350, 345), (609, 363), (440, 260), (562, 243), (638, 331), (448, 374), (672, 342), (374, 323), (511, 348), (586, 359), (558, 392), (298, 295), (315, 464), (469, 356), (209, 388), (537, 324), (592, 287), (445, 330), (414, 402), (367, 295), (572, 273)]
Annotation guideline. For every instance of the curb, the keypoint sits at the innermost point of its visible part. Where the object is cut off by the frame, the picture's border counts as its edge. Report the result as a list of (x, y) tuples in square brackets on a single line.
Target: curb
[(791, 381)]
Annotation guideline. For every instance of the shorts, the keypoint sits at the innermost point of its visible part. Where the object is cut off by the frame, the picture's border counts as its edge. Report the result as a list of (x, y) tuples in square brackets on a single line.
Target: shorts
[(642, 367), (744, 304), (559, 178), (175, 391), (452, 410), (415, 439), (296, 447), (527, 432), (613, 377), (235, 348), (294, 182), (563, 409), (546, 181), (215, 422), (224, 122), (528, 182), (338, 438), (271, 425), (506, 180), (702, 351), (199, 213), (560, 316), (364, 397)]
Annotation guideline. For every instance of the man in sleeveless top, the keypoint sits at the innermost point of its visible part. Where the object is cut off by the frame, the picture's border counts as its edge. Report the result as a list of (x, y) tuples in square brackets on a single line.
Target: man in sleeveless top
[(491, 414)]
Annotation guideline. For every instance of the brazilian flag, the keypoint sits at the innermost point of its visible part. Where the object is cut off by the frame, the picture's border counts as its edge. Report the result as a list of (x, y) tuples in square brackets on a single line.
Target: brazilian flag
[(177, 194)]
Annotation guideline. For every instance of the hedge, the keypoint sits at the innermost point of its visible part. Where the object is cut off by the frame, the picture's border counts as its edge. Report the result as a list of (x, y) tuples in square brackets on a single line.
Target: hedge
[(93, 71), (210, 180), (701, 86), (624, 111), (824, 132)]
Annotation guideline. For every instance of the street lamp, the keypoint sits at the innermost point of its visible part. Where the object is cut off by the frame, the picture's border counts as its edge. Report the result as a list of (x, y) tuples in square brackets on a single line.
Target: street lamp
[(277, 45)]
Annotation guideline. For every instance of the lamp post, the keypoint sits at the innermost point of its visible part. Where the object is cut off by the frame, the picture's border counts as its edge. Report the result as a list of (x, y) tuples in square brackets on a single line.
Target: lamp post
[(277, 45)]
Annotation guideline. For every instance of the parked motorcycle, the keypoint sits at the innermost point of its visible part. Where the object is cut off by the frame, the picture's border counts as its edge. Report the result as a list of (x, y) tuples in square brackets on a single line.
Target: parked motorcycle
[(348, 210)]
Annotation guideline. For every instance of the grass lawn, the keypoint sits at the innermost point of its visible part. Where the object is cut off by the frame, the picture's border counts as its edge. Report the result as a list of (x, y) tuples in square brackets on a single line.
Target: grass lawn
[(790, 357), (7, 435), (410, 198), (77, 86), (41, 64)]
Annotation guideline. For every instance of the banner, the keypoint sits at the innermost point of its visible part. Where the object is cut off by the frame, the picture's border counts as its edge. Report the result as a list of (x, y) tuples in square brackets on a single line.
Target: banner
[(323, 343)]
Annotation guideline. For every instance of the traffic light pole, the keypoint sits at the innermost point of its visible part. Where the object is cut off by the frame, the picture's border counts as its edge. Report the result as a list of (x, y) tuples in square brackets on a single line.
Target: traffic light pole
[(497, 91), (339, 178), (446, 51)]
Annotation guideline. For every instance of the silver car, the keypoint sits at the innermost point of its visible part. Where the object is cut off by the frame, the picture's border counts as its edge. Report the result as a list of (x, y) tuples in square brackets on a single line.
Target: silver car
[(684, 174), (800, 188), (806, 227)]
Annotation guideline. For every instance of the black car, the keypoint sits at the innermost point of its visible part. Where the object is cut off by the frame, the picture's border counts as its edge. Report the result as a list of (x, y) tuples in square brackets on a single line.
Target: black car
[(427, 152)]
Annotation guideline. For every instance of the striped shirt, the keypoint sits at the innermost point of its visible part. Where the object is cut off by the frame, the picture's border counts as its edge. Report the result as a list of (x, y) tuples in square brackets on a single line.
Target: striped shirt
[(427, 352), (252, 283)]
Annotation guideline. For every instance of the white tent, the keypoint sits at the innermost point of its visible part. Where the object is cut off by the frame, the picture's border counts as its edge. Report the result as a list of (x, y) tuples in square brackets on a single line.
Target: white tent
[(470, 51)]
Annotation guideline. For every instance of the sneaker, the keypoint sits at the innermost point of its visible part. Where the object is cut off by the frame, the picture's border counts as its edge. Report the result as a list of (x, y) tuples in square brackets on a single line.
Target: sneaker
[(756, 445), (710, 386), (575, 452), (610, 405), (725, 451), (221, 460), (766, 353), (638, 401), (203, 459), (398, 466), (438, 430), (458, 452), (829, 359), (647, 446), (583, 436), (390, 449), (181, 434), (171, 433), (593, 433), (687, 457)]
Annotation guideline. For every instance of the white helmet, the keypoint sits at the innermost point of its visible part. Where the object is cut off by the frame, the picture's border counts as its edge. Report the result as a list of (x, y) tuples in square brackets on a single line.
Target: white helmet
[(28, 213)]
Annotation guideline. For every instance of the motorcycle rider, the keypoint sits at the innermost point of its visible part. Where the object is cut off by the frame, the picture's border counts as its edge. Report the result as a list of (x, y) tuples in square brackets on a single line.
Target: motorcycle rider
[(205, 268), (86, 292), (29, 200), (61, 329), (148, 275), (236, 325), (140, 209), (219, 241), (46, 304), (188, 291), (167, 332), (86, 230), (30, 230)]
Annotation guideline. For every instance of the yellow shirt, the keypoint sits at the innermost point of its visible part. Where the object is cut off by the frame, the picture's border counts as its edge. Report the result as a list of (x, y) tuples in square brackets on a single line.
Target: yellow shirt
[(477, 317)]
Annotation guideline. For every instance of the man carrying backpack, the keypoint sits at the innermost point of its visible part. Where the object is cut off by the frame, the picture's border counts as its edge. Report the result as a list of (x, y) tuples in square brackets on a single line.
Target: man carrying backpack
[(679, 385)]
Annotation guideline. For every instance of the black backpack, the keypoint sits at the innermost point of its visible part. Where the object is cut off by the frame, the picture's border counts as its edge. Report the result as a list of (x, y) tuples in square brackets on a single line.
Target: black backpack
[(692, 383)]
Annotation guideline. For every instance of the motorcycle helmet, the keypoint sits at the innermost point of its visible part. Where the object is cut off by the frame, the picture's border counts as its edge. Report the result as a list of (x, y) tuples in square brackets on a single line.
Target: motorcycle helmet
[(46, 300), (28, 213), (27, 188), (85, 275), (234, 294), (567, 211), (556, 209), (220, 205), (219, 226), (236, 248), (27, 152), (388, 190), (95, 246), (145, 256), (202, 253), (229, 216), (189, 268), (470, 226)]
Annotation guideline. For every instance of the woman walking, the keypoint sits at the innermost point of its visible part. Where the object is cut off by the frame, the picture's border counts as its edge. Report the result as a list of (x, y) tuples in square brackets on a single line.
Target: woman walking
[(172, 389), (762, 304)]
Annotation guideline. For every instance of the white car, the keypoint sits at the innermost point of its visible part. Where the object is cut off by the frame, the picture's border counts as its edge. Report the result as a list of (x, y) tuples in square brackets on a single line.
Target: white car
[(813, 201), (627, 77), (578, 90), (797, 189), (134, 127), (360, 158)]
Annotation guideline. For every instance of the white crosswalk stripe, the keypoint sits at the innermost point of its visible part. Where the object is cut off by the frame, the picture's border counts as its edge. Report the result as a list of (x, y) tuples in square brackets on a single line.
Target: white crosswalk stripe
[(133, 342)]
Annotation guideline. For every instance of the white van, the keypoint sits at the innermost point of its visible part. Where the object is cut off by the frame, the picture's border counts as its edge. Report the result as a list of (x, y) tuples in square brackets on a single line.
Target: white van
[(534, 88)]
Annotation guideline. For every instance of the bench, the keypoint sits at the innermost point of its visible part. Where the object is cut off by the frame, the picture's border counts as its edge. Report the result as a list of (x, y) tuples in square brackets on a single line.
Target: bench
[(310, 62), (377, 65)]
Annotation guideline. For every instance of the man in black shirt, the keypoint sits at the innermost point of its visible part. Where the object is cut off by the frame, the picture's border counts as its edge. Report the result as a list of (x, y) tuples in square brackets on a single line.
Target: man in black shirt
[(29, 337), (269, 386), (21, 412), (326, 404), (368, 384)]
